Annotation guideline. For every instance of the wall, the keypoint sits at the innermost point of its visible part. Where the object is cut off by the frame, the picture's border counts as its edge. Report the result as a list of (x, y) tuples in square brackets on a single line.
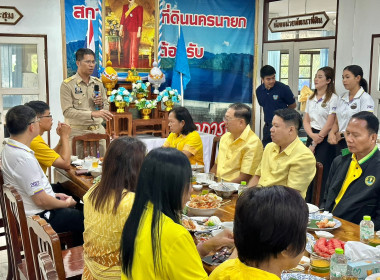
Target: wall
[(43, 17), (358, 20)]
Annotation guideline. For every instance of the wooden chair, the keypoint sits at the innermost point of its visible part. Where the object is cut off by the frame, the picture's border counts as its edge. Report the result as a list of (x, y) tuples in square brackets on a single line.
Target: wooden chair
[(91, 141), (317, 184), (68, 263), (47, 268), (215, 146), (4, 226), (22, 267)]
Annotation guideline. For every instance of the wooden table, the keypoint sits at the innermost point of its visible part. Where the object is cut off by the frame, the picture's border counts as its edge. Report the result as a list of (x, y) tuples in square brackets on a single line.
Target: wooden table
[(78, 185)]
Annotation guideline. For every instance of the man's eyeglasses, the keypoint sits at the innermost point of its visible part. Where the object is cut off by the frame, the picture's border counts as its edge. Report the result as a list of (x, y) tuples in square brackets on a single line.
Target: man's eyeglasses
[(225, 119), (48, 116), (89, 62), (36, 120)]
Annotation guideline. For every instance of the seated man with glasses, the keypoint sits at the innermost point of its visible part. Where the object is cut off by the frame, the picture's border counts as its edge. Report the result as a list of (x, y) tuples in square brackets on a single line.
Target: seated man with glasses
[(46, 156), (84, 100), (240, 149), (286, 161), (22, 170)]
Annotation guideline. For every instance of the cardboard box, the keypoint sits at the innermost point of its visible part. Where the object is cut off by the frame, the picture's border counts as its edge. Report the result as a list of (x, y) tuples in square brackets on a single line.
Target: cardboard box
[(362, 269)]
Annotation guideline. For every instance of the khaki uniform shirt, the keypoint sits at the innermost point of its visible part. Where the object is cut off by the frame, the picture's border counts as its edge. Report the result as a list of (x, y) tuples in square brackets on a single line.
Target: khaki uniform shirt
[(77, 100)]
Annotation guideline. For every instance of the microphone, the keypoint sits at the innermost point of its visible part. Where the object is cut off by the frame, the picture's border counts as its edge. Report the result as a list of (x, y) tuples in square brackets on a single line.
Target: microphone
[(97, 93)]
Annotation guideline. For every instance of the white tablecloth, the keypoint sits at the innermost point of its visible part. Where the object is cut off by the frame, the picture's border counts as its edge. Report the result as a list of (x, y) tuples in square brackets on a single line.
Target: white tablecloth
[(152, 142)]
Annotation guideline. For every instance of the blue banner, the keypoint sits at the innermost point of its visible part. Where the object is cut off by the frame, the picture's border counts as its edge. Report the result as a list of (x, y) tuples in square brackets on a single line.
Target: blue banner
[(219, 36)]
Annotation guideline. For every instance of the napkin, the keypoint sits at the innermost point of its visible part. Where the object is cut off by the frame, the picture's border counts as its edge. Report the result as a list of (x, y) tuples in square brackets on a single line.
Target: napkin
[(357, 251)]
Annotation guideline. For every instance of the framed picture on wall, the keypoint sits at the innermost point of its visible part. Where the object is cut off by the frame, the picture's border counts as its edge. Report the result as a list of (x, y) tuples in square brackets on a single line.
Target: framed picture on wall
[(129, 33)]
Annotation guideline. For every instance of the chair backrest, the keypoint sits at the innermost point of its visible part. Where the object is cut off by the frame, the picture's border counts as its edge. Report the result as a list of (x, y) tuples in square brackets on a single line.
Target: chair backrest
[(90, 142), (215, 144), (317, 184), (47, 268), (17, 225), (44, 239)]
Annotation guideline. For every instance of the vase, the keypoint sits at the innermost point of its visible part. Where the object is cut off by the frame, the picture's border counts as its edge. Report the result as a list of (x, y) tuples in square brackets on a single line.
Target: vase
[(120, 105), (169, 105), (139, 95), (146, 113)]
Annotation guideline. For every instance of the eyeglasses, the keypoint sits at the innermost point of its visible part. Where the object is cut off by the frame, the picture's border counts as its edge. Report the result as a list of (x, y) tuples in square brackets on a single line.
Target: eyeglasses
[(225, 119), (36, 120), (89, 61), (48, 116)]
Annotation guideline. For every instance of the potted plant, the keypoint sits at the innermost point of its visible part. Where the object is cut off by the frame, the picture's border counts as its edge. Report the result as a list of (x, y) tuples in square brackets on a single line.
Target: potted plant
[(145, 106), (122, 98), (140, 89), (169, 96)]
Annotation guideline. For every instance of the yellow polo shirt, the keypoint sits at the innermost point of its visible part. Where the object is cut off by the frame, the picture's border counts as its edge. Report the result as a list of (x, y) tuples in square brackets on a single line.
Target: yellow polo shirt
[(191, 143), (354, 172), (45, 155), (238, 155), (294, 167), (235, 270), (179, 255)]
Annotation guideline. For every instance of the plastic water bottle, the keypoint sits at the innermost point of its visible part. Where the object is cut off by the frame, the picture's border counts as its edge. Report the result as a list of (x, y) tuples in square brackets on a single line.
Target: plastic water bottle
[(367, 229), (338, 265), (242, 187)]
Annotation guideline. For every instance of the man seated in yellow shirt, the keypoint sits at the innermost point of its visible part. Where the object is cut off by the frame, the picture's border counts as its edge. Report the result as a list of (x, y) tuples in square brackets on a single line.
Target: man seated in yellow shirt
[(240, 149), (46, 156), (353, 185), (286, 161)]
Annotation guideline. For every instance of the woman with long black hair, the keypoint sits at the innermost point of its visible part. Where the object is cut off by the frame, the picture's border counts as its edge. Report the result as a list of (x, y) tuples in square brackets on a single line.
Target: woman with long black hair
[(154, 244)]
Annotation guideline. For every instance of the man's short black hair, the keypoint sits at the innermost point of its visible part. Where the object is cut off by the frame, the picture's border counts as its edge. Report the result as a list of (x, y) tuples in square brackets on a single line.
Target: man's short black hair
[(290, 116), (18, 119), (79, 55), (267, 70), (370, 118), (269, 220), (242, 111), (38, 106)]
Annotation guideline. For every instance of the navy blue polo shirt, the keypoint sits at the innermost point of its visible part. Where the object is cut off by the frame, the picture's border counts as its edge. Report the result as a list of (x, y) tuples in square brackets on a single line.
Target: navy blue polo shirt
[(278, 97)]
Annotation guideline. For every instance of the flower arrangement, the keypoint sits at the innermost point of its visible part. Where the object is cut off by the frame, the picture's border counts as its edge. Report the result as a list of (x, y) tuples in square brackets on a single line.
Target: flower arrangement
[(146, 104), (169, 94), (140, 89), (112, 24), (121, 94)]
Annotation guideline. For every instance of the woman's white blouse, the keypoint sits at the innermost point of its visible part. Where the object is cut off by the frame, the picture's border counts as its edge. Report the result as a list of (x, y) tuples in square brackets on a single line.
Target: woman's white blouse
[(362, 101), (319, 111)]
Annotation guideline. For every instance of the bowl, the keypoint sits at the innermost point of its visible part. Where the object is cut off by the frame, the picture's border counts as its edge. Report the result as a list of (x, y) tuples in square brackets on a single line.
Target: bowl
[(229, 225), (200, 211), (197, 187), (226, 191), (95, 172)]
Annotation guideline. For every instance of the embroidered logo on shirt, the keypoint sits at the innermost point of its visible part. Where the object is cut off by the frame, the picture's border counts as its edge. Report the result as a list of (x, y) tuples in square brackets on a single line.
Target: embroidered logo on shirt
[(35, 184), (354, 106), (369, 180), (275, 97)]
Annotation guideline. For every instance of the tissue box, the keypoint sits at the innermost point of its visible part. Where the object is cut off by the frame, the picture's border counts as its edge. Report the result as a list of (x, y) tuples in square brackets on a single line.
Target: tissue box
[(360, 268)]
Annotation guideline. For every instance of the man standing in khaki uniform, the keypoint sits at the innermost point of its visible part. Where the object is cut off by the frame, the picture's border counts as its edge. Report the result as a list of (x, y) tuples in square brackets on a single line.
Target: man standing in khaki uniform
[(81, 108)]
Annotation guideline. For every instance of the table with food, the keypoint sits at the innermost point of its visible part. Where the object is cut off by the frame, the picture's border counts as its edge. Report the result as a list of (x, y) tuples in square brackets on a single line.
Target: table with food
[(211, 209)]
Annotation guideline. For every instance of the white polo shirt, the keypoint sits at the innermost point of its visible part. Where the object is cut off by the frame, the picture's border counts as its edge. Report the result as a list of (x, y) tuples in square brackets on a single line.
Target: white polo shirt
[(22, 171), (362, 102), (319, 111)]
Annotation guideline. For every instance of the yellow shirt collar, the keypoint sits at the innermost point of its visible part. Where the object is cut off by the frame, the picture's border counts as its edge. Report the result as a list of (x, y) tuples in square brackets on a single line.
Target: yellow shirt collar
[(244, 135), (289, 149)]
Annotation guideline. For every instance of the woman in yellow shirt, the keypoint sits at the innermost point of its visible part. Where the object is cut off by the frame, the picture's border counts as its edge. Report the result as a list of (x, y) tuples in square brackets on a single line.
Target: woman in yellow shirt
[(107, 206), (184, 135), (270, 234), (154, 244)]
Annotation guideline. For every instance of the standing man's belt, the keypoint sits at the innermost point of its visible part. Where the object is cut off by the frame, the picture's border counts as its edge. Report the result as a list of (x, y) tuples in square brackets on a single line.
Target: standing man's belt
[(87, 127)]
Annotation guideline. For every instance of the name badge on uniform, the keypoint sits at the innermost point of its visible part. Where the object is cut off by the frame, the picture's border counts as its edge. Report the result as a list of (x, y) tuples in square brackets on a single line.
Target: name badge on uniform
[(78, 90), (323, 105), (354, 106), (275, 97)]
